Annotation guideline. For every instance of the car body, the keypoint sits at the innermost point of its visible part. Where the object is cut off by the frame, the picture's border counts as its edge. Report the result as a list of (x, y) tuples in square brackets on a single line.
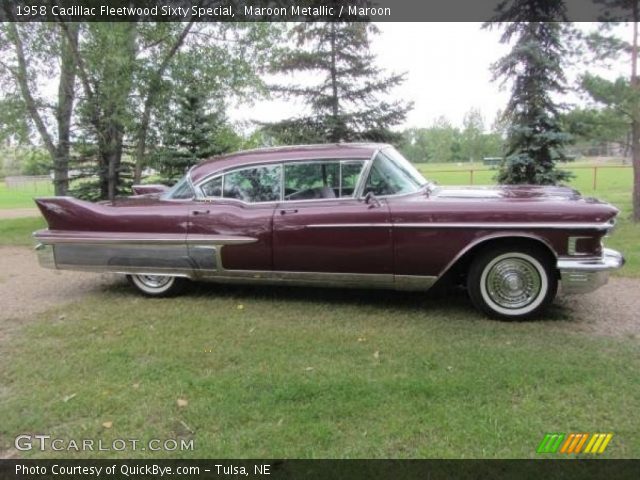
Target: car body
[(344, 215)]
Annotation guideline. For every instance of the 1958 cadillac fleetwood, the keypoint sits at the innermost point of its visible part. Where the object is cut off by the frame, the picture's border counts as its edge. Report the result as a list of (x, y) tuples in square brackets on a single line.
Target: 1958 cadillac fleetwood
[(347, 215)]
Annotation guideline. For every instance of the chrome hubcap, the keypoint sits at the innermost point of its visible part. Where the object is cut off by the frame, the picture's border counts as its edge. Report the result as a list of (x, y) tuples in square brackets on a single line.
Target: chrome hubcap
[(513, 283), (154, 281)]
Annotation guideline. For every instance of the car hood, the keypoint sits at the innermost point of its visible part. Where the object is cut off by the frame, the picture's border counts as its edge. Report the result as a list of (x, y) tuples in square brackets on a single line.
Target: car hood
[(515, 192)]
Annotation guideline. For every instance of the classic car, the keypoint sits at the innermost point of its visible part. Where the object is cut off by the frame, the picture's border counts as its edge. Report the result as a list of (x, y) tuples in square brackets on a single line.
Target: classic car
[(343, 215)]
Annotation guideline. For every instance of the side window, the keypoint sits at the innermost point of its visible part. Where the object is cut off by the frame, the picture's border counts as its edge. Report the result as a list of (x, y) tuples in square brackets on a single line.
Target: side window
[(349, 175), (180, 191), (258, 184), (310, 180), (389, 178), (321, 179), (212, 188)]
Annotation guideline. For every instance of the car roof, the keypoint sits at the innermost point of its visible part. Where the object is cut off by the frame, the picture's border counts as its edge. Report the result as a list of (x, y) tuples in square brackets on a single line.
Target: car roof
[(279, 154)]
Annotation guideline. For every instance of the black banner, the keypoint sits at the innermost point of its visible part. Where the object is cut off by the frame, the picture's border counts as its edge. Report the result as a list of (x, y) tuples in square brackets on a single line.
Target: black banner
[(321, 469), (291, 10)]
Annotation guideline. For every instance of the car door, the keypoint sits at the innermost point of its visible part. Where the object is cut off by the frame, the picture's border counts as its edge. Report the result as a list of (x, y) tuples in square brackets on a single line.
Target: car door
[(320, 226), (230, 228)]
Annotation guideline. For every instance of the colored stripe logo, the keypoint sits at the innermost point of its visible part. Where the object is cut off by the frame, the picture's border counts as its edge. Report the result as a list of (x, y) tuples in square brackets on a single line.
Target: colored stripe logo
[(574, 443)]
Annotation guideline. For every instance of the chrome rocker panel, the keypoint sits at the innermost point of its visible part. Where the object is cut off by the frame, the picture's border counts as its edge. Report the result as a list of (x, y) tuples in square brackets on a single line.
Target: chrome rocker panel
[(584, 275), (201, 261)]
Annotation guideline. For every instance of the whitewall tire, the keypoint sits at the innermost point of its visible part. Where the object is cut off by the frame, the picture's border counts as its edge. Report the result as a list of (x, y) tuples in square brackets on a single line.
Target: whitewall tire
[(157, 285), (512, 282)]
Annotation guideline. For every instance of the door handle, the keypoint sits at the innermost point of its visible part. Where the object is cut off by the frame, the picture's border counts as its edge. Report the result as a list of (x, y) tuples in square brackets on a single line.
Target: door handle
[(288, 210), (200, 212)]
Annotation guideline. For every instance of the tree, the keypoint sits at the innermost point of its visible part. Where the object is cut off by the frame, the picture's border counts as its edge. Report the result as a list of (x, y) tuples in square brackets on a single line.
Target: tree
[(472, 136), (28, 51), (596, 129), (198, 129), (535, 139), (621, 95), (129, 71), (106, 67), (442, 142), (151, 90), (347, 101)]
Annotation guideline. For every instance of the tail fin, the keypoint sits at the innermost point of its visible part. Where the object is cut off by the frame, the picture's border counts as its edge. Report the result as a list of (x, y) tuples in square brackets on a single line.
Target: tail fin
[(67, 213)]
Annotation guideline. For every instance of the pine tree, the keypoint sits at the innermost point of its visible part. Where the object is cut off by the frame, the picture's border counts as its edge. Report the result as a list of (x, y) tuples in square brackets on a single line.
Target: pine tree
[(198, 130), (347, 103), (535, 139)]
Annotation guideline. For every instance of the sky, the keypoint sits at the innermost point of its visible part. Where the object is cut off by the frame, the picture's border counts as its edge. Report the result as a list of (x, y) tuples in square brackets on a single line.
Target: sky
[(448, 73)]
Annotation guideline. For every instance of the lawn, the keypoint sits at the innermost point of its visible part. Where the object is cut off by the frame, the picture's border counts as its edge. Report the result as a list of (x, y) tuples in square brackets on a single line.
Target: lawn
[(300, 373), (22, 197), (17, 231)]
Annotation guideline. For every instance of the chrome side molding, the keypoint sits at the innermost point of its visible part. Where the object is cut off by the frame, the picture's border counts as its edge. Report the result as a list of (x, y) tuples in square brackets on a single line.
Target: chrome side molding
[(478, 225)]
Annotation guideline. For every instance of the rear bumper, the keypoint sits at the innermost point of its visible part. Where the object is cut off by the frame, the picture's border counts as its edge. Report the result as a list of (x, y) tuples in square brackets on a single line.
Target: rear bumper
[(588, 274), (46, 257)]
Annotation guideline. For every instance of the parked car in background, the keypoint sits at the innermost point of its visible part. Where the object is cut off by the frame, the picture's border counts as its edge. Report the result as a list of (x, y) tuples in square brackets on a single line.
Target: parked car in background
[(345, 215)]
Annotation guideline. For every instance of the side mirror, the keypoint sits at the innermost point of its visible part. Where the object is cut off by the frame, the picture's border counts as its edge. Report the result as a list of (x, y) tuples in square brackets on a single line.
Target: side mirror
[(371, 200)]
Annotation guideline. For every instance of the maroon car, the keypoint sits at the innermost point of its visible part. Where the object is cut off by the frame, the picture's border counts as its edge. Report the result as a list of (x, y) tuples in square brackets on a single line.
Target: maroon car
[(347, 215)]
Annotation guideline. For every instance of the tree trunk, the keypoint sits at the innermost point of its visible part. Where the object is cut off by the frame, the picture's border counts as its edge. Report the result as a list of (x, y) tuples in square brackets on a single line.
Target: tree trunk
[(335, 134), (66, 93), (635, 123)]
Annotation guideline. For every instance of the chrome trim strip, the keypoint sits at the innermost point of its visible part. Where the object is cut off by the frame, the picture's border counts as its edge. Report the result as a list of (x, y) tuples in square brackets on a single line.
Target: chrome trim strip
[(324, 279), (364, 174), (170, 272), (350, 225), (283, 165), (85, 238), (610, 260), (355, 280), (223, 173), (486, 225), (414, 282), (46, 256), (219, 239), (572, 246)]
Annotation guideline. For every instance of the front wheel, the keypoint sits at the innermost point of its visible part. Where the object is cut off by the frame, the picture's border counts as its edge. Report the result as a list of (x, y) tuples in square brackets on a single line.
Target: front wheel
[(157, 285), (512, 282)]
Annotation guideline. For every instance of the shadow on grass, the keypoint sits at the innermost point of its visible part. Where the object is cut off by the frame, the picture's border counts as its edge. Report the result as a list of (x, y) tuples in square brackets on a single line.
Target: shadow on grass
[(443, 298)]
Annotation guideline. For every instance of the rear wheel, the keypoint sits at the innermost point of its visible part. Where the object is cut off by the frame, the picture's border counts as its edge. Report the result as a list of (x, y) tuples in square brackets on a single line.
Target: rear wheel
[(511, 282), (157, 285)]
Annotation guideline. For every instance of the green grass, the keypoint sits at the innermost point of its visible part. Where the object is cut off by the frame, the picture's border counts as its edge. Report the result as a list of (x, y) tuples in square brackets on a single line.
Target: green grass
[(17, 231), (295, 373), (22, 197)]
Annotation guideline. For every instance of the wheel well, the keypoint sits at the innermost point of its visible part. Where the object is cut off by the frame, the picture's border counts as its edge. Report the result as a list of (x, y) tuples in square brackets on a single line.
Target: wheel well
[(458, 271)]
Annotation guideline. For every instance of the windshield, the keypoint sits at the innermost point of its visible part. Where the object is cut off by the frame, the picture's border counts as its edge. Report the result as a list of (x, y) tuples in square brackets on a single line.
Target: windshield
[(181, 190), (392, 174)]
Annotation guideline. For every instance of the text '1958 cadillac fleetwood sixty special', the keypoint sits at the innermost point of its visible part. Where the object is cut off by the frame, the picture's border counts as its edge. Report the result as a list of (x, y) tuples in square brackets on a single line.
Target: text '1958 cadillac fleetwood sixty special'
[(345, 215)]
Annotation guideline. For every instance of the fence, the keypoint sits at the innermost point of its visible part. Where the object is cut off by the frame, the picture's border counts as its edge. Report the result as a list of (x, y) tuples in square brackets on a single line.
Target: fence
[(28, 181), (473, 171)]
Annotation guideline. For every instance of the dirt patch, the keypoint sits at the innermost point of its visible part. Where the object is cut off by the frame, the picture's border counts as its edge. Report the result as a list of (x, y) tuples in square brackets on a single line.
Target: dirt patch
[(18, 213), (27, 289), (612, 310)]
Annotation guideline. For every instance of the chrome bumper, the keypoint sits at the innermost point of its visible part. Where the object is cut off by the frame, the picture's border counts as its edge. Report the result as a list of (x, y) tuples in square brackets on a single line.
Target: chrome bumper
[(584, 275), (46, 257)]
